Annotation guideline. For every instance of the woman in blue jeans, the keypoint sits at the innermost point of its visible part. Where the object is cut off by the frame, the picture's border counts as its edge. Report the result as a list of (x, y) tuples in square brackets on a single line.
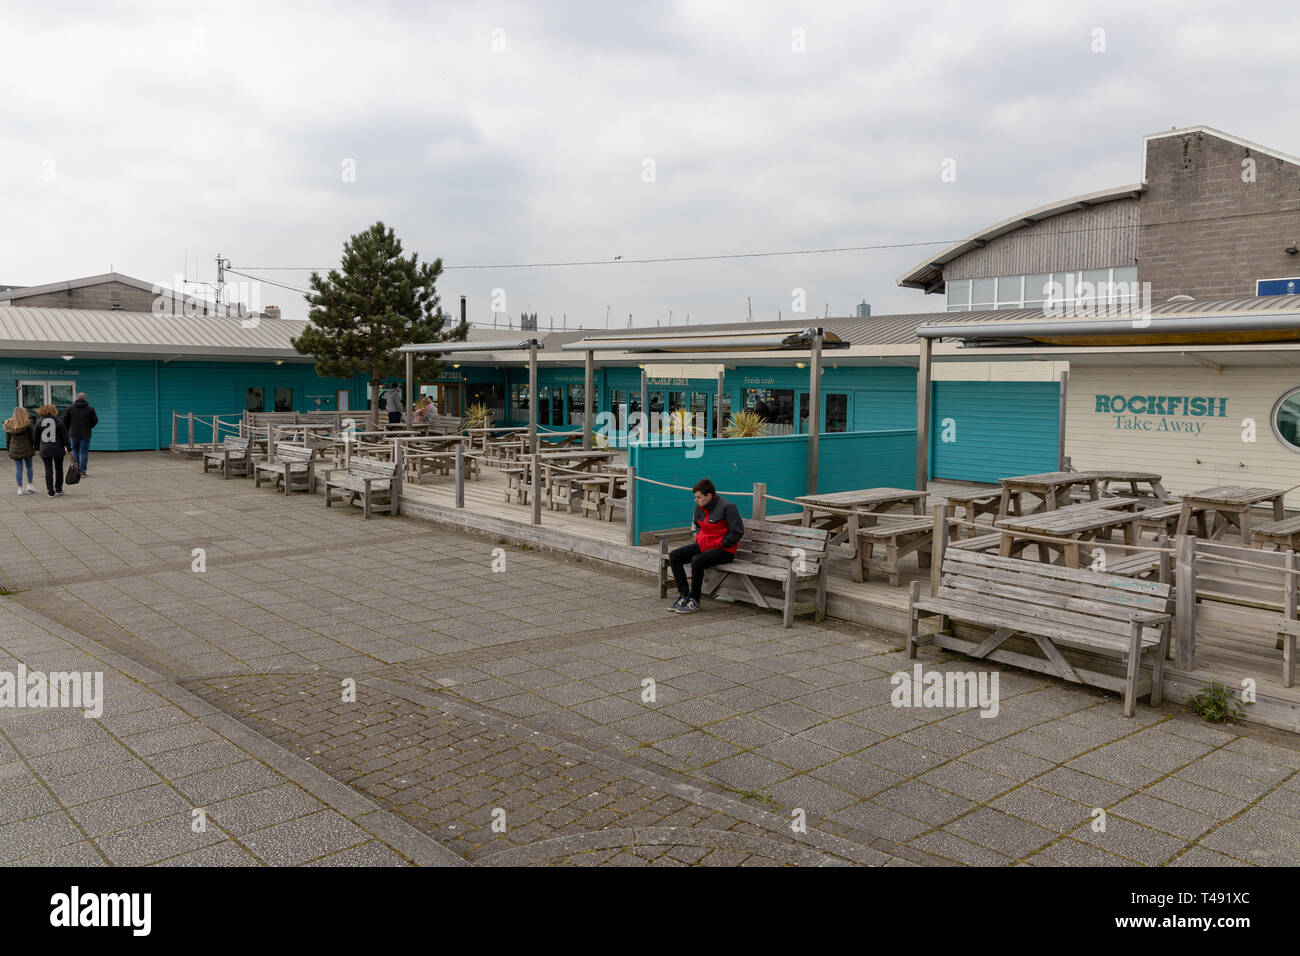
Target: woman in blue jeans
[(20, 442)]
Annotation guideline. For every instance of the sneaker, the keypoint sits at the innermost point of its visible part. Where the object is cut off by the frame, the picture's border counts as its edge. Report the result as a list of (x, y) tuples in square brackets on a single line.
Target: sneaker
[(678, 604), (689, 607), (58, 494), (20, 490), (49, 494), (30, 489)]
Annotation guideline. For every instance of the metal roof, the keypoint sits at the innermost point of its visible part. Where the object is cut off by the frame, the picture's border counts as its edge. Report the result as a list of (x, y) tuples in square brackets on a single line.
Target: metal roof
[(1007, 323), (929, 274)]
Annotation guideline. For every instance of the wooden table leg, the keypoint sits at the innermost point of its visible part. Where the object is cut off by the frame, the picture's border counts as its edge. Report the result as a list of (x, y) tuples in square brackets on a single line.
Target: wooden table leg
[(1279, 508), (1004, 503), (806, 520), (1071, 554), (1185, 517), (1243, 522), (1004, 547)]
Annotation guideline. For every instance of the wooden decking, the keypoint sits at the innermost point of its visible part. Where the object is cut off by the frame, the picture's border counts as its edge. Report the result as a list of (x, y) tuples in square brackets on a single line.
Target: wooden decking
[(1223, 656)]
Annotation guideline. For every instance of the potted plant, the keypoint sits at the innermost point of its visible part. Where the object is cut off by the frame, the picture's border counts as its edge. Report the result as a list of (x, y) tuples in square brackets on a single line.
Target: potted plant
[(745, 425), (477, 415)]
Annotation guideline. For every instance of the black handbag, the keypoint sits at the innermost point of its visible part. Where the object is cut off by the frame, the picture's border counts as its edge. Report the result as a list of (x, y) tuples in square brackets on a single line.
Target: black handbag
[(73, 476)]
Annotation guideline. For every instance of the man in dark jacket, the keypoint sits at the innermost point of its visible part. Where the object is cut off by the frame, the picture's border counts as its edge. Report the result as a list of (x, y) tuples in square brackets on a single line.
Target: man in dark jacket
[(718, 530), (79, 420)]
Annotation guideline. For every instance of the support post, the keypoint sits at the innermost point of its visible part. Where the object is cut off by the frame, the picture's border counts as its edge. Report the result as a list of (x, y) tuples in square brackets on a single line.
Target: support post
[(760, 501), (645, 408), (175, 416), (532, 401), (923, 415), (631, 508), (460, 476), (399, 465), (537, 489), (718, 424), (410, 388), (1185, 607), (588, 379), (1060, 437), (814, 409), (937, 548), (191, 442)]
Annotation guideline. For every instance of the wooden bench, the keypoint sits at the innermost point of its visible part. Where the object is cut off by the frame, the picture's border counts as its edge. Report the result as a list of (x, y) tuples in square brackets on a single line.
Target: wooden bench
[(899, 538), (232, 454), (977, 502), (421, 464), (982, 543), (1100, 614), (1284, 535), (1163, 519), (376, 482), (443, 424), (294, 466), (1243, 604), (790, 556)]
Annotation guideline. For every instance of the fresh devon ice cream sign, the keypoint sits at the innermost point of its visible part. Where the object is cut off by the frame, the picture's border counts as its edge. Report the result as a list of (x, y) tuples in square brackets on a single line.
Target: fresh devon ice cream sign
[(1162, 413)]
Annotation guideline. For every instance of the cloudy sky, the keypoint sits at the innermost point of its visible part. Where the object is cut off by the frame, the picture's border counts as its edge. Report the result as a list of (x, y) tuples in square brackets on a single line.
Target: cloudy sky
[(144, 136)]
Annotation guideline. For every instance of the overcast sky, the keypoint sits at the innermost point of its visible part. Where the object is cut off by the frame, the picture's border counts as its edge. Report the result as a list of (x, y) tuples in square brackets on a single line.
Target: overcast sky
[(135, 135)]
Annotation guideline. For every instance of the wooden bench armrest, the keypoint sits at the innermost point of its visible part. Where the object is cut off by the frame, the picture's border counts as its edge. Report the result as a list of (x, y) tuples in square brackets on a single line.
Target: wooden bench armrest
[(1151, 617)]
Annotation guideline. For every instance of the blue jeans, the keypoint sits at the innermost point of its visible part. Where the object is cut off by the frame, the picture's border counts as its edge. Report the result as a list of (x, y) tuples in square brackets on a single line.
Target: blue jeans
[(80, 451), (18, 470)]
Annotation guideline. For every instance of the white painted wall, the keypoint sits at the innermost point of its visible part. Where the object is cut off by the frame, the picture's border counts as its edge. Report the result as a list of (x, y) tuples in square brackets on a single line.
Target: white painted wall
[(998, 371), (1189, 460)]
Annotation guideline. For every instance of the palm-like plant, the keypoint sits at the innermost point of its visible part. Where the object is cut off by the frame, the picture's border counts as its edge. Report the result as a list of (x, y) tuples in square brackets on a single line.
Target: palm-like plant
[(477, 415), (746, 425), (681, 424)]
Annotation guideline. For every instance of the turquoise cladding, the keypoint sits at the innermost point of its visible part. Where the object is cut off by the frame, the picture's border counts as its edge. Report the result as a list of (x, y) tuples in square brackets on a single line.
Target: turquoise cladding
[(845, 461), (983, 431), (135, 399)]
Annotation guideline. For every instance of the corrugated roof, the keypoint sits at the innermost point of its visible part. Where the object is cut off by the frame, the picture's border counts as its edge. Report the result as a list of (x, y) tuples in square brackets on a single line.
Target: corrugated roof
[(928, 274), (1193, 307), (118, 332)]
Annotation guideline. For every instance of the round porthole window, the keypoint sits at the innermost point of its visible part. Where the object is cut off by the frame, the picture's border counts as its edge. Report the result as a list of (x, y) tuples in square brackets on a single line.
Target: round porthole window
[(1286, 419)]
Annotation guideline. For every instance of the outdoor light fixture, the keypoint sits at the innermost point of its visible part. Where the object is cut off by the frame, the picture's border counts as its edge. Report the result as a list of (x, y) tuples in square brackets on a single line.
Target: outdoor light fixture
[(68, 358), (1291, 249), (279, 361), (455, 365), (800, 364)]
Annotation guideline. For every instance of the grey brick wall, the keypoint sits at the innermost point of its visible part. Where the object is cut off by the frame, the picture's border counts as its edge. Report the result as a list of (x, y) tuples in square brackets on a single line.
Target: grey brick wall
[(1206, 233)]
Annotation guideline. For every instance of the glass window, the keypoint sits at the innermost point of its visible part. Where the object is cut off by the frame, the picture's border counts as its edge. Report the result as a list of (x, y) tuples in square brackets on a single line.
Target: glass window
[(491, 394), (958, 293), (254, 400), (775, 405), (284, 399), (1037, 288), (1094, 287), (1009, 292), (543, 404), (982, 293), (1064, 286), (1286, 419), (518, 401), (837, 412)]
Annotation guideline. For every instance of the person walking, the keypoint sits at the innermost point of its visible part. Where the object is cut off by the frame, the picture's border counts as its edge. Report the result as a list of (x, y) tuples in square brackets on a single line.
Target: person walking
[(80, 419), (718, 530), (393, 403), (20, 442), (52, 440)]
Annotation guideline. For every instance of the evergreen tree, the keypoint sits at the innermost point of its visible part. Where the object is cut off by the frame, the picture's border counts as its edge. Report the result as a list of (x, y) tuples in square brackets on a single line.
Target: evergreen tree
[(375, 302)]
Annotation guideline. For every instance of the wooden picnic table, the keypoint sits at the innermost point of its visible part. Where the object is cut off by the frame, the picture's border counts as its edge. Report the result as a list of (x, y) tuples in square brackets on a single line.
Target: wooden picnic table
[(1229, 506), (863, 507), (1080, 523), (563, 471), (1053, 487), (483, 434), (1141, 484)]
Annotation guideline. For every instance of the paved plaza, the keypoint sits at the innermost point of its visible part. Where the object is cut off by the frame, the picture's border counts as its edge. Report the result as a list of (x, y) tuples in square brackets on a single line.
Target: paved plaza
[(291, 685)]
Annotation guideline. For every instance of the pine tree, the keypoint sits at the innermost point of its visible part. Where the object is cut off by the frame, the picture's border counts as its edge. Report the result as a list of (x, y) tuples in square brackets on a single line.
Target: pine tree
[(375, 302)]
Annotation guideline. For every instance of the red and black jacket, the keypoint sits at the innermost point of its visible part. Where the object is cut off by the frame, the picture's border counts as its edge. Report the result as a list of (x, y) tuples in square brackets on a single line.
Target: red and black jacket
[(718, 527)]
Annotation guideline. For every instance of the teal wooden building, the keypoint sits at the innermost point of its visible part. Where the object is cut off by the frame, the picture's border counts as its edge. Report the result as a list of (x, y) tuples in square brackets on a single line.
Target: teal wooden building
[(138, 368)]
